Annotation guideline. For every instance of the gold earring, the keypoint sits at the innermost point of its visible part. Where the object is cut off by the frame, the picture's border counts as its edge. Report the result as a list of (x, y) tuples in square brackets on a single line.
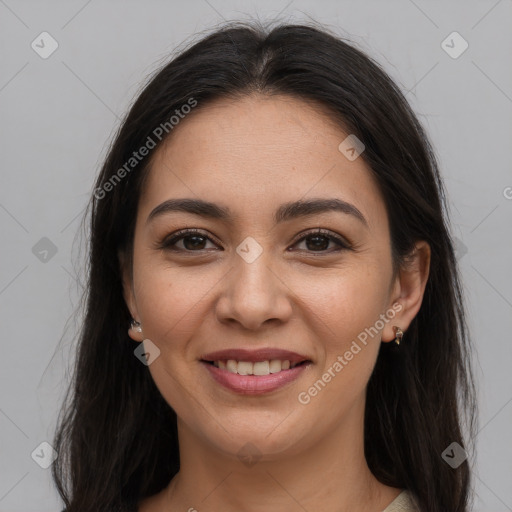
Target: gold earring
[(399, 335)]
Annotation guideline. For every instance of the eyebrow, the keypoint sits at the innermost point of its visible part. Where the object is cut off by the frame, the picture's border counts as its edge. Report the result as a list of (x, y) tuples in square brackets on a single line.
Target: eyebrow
[(286, 212)]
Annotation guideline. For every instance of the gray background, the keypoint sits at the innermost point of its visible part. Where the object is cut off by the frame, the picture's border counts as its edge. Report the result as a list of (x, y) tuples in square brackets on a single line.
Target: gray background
[(58, 114)]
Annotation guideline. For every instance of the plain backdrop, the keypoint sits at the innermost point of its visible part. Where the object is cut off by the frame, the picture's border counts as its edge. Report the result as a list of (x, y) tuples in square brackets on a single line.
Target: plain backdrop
[(58, 115)]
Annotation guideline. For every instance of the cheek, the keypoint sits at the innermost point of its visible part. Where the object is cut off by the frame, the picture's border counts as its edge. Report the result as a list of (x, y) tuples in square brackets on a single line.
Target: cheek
[(344, 302), (171, 299), (344, 310), (345, 307)]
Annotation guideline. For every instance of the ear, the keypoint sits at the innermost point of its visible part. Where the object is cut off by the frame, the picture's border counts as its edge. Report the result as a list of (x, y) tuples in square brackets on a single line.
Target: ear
[(128, 294), (408, 289)]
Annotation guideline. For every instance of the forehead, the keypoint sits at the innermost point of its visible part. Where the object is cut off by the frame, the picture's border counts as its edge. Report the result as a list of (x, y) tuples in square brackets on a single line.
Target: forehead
[(258, 152)]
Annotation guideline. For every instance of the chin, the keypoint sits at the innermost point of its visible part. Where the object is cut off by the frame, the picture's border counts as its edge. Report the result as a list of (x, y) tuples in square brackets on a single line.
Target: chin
[(262, 441)]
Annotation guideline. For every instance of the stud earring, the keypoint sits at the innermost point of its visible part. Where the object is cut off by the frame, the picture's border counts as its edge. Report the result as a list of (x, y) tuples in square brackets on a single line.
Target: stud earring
[(399, 335), (136, 326)]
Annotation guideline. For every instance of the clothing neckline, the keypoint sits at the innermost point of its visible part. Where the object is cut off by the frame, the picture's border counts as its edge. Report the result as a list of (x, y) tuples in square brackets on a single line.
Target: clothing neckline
[(403, 502)]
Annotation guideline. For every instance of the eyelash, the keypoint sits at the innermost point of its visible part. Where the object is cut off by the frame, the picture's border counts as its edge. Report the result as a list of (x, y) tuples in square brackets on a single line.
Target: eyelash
[(167, 243)]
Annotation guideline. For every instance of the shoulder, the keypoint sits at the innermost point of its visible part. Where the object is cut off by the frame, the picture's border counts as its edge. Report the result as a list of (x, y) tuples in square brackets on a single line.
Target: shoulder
[(404, 502)]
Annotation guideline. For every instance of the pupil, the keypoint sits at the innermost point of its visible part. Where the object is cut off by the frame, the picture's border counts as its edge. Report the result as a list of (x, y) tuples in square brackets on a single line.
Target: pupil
[(199, 240), (321, 245)]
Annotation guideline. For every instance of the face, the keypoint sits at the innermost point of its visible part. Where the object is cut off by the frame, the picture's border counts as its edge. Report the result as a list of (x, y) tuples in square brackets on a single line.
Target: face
[(262, 282)]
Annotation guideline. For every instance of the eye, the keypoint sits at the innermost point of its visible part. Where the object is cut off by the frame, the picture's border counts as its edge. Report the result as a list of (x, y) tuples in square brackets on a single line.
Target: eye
[(319, 240), (192, 240)]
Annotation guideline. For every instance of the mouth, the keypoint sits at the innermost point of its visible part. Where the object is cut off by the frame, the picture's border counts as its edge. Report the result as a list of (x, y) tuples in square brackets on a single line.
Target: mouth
[(270, 366), (255, 372)]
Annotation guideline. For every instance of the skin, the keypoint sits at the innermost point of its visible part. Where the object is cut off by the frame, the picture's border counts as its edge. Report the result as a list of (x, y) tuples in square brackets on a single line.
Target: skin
[(251, 155)]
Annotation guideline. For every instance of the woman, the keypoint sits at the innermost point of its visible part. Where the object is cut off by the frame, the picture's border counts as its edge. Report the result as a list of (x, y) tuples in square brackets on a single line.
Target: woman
[(274, 315)]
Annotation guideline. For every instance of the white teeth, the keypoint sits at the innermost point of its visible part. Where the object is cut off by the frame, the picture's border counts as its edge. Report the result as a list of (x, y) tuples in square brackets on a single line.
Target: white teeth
[(245, 368), (231, 366), (258, 368), (275, 366)]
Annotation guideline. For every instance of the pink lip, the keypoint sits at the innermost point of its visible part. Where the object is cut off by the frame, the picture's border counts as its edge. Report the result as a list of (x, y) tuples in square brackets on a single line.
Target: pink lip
[(263, 354), (254, 384)]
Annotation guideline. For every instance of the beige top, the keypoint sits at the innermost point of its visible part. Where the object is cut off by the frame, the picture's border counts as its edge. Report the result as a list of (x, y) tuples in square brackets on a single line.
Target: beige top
[(404, 502)]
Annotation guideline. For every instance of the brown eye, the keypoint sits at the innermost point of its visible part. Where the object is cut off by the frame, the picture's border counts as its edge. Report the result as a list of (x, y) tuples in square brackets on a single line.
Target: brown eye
[(191, 241), (318, 241)]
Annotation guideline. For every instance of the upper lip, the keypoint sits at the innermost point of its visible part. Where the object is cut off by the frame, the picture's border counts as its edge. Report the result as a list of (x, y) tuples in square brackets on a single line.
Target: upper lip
[(262, 354)]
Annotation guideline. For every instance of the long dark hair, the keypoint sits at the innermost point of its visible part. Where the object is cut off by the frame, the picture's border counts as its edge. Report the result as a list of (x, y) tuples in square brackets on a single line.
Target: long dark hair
[(117, 437)]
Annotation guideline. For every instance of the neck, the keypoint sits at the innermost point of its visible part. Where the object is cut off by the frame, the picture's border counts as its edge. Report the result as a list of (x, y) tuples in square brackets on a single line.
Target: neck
[(331, 474)]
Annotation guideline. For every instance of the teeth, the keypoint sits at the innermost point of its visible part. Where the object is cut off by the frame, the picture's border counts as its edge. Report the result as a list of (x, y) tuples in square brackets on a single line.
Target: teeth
[(258, 368), (231, 366), (275, 366), (245, 368)]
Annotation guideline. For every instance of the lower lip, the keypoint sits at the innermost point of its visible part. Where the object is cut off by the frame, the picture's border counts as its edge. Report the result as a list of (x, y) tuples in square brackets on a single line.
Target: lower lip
[(255, 384)]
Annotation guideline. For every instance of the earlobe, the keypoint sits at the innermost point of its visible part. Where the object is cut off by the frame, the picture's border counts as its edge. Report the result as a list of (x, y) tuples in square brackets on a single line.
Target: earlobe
[(135, 331), (393, 332)]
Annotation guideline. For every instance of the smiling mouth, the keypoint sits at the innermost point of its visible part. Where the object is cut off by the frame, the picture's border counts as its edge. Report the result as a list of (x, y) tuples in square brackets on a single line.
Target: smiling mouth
[(258, 368)]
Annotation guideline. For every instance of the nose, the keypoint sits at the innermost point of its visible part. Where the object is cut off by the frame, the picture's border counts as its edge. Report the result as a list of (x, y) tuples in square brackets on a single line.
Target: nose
[(254, 294)]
